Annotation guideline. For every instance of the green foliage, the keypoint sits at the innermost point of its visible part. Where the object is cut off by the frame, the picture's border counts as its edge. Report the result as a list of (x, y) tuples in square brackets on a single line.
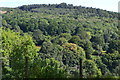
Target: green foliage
[(61, 35), (77, 9), (74, 52), (38, 36), (91, 70), (75, 39), (112, 60), (67, 36), (48, 68), (62, 41), (15, 49)]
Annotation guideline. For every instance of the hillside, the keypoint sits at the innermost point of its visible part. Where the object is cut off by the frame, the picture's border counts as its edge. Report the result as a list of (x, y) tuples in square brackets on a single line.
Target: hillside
[(52, 40), (68, 9)]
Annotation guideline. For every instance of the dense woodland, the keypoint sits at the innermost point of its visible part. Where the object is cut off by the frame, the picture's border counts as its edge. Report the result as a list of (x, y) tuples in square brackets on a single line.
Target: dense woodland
[(60, 41)]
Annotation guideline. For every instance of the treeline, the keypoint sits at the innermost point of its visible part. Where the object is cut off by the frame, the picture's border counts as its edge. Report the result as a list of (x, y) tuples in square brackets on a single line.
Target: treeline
[(79, 9)]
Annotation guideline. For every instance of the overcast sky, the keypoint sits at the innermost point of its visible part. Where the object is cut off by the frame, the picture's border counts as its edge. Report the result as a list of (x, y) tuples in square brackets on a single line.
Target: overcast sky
[(110, 5)]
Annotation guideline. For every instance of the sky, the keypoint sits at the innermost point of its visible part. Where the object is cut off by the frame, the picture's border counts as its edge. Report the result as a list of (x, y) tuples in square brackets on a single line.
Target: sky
[(109, 5)]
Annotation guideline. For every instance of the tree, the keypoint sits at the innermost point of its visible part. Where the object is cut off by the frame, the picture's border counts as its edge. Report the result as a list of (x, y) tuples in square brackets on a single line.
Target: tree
[(38, 36), (71, 54), (19, 53), (48, 68), (90, 69), (111, 60), (117, 71), (49, 50), (114, 46)]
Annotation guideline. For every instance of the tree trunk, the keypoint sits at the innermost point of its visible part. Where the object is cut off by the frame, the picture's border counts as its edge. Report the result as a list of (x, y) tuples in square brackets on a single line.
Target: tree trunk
[(0, 68), (80, 69), (26, 67)]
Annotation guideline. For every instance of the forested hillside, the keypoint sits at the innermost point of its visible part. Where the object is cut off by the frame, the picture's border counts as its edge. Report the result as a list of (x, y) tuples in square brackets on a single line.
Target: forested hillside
[(60, 41)]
